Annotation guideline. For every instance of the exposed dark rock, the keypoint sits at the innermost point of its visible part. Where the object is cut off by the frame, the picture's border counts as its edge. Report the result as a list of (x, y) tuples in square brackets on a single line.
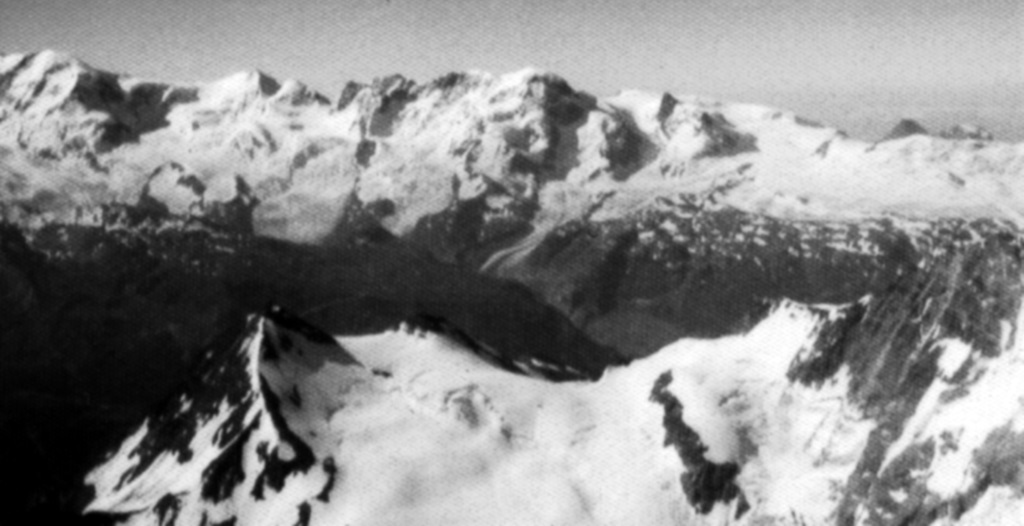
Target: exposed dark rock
[(469, 230), (141, 110), (449, 80), (8, 78), (829, 352), (226, 472), (716, 273), (348, 94), (905, 128), (275, 468), (288, 320), (331, 469), (723, 138), (173, 429), (1001, 458), (365, 151), (704, 482), (961, 132), (393, 94), (167, 509), (235, 215), (665, 109), (305, 512)]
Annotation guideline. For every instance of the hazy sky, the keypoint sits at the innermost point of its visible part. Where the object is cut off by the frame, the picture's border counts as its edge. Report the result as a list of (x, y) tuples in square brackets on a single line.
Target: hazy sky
[(858, 64)]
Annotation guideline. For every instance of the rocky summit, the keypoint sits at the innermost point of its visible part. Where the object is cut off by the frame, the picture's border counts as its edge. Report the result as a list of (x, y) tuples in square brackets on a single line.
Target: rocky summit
[(498, 300)]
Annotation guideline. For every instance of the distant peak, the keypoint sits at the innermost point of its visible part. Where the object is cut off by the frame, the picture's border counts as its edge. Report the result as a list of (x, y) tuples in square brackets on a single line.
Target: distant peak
[(905, 128), (532, 76), (452, 79), (348, 93), (296, 92), (967, 132), (52, 56), (528, 74), (250, 80), (49, 60), (393, 83), (35, 67)]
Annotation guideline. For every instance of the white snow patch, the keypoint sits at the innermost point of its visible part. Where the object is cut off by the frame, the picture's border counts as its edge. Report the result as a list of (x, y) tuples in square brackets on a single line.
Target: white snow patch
[(954, 354), (446, 437)]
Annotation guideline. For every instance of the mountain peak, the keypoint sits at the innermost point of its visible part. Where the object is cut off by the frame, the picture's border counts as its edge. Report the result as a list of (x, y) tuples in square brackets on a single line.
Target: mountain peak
[(52, 59), (501, 136), (967, 132), (25, 77), (251, 81), (535, 82), (35, 67), (905, 128), (393, 83)]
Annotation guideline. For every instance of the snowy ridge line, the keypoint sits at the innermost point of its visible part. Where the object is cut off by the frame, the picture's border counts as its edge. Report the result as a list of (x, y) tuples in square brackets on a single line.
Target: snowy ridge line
[(225, 429), (522, 149), (531, 366), (321, 438), (412, 425), (184, 435)]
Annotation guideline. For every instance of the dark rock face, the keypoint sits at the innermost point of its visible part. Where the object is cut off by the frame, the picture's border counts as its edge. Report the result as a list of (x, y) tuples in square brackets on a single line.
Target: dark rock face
[(349, 93), (276, 469), (905, 128), (704, 483), (723, 137), (224, 380), (365, 151), (140, 110), (683, 272), (469, 231), (888, 345)]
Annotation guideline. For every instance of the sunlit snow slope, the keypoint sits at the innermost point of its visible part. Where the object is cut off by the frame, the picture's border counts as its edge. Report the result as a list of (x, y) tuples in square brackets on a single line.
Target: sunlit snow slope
[(409, 426), (511, 151)]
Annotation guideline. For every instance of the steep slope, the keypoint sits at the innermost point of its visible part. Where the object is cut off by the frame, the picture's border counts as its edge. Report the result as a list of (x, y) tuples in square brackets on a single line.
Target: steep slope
[(291, 426), (905, 128), (97, 326), (296, 429)]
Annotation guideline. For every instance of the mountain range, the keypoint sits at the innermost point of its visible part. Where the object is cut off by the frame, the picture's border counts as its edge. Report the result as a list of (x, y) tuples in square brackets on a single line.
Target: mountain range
[(498, 300)]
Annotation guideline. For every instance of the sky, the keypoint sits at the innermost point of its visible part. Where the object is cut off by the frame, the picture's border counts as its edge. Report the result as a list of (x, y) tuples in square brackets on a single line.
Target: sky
[(856, 64)]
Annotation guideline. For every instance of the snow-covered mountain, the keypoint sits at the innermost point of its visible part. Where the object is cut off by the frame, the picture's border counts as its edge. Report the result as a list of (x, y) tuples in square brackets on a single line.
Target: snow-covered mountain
[(824, 328), (292, 426), (529, 148)]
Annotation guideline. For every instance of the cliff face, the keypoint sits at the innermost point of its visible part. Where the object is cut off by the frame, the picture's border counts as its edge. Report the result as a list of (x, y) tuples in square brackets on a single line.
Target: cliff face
[(640, 220)]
